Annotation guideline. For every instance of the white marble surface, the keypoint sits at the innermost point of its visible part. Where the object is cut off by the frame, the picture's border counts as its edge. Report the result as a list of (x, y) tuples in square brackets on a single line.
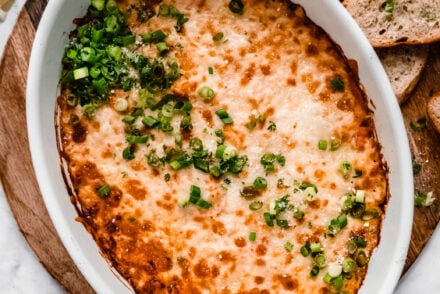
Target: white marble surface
[(21, 272)]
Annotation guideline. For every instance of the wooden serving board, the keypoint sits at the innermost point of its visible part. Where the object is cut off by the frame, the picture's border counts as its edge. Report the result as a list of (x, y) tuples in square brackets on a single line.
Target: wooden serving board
[(23, 195)]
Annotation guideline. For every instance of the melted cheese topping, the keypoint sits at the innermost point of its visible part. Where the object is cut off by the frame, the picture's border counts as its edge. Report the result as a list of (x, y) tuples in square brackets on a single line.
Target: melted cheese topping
[(272, 61)]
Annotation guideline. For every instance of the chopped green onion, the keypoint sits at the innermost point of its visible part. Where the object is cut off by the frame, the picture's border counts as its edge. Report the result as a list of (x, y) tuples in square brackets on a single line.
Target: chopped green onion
[(224, 117), (327, 278), (89, 110), (282, 223), (338, 282), (423, 199), (167, 177), (348, 265), (153, 160), (360, 242), (162, 48), (252, 236), (345, 169), (128, 152), (88, 54), (104, 191), (334, 269), (358, 173), (121, 104), (337, 224), (255, 205), (322, 145), (272, 127), (310, 194), (154, 37), (315, 271), (315, 247), (210, 70), (389, 9), (150, 121), (305, 250), (337, 84), (419, 124), (249, 192), (320, 260), (196, 144), (136, 139), (288, 246), (335, 144), (260, 183), (236, 6), (268, 219), (298, 214), (194, 194), (360, 196), (351, 246), (98, 4), (218, 37), (204, 204), (167, 110), (206, 93), (111, 24), (361, 259), (80, 73), (417, 167)]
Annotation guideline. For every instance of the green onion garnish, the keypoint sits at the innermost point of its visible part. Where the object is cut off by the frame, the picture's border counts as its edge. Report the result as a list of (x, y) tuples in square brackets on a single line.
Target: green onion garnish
[(104, 191), (337, 224), (282, 223), (345, 169), (167, 177), (288, 246), (128, 152), (272, 127), (322, 145), (80, 73), (260, 183), (194, 194), (150, 121), (218, 37), (338, 282), (162, 48), (206, 93), (236, 6), (298, 214), (255, 205), (320, 260), (252, 236), (305, 250), (224, 116), (268, 219), (203, 204), (419, 125), (348, 265), (315, 247), (210, 70), (361, 259), (136, 139), (337, 84), (315, 271), (335, 144)]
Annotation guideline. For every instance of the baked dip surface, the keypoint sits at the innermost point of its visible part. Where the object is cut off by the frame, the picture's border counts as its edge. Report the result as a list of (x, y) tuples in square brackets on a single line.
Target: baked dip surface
[(220, 147)]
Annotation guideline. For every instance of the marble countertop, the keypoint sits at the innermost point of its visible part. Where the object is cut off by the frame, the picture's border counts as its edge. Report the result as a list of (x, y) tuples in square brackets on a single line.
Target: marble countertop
[(21, 272)]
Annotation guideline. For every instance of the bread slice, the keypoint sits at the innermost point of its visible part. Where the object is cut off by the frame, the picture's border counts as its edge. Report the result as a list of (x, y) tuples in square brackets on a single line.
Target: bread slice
[(410, 22), (403, 65), (434, 111)]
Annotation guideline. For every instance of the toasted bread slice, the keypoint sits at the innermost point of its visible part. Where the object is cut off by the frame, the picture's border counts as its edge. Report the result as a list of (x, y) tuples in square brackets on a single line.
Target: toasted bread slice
[(434, 111), (407, 22), (403, 65)]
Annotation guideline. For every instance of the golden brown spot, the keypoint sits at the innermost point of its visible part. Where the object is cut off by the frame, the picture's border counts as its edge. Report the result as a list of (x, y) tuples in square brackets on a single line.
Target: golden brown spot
[(345, 104), (201, 269), (207, 116), (166, 206), (79, 133), (333, 186), (294, 67), (311, 50), (265, 69), (287, 282), (260, 262), (239, 213), (248, 75), (106, 154), (259, 280), (226, 256), (234, 136), (138, 165), (253, 103), (291, 82), (299, 169), (315, 204), (135, 189), (218, 227), (288, 259), (269, 112), (240, 242), (319, 174), (261, 250)]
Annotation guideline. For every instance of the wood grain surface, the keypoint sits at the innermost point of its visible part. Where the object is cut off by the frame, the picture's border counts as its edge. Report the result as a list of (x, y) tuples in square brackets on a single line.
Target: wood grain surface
[(18, 179)]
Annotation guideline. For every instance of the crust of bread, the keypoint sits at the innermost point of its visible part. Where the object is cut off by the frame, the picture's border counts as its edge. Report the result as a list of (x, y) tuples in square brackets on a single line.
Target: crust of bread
[(412, 22), (403, 65), (434, 111)]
